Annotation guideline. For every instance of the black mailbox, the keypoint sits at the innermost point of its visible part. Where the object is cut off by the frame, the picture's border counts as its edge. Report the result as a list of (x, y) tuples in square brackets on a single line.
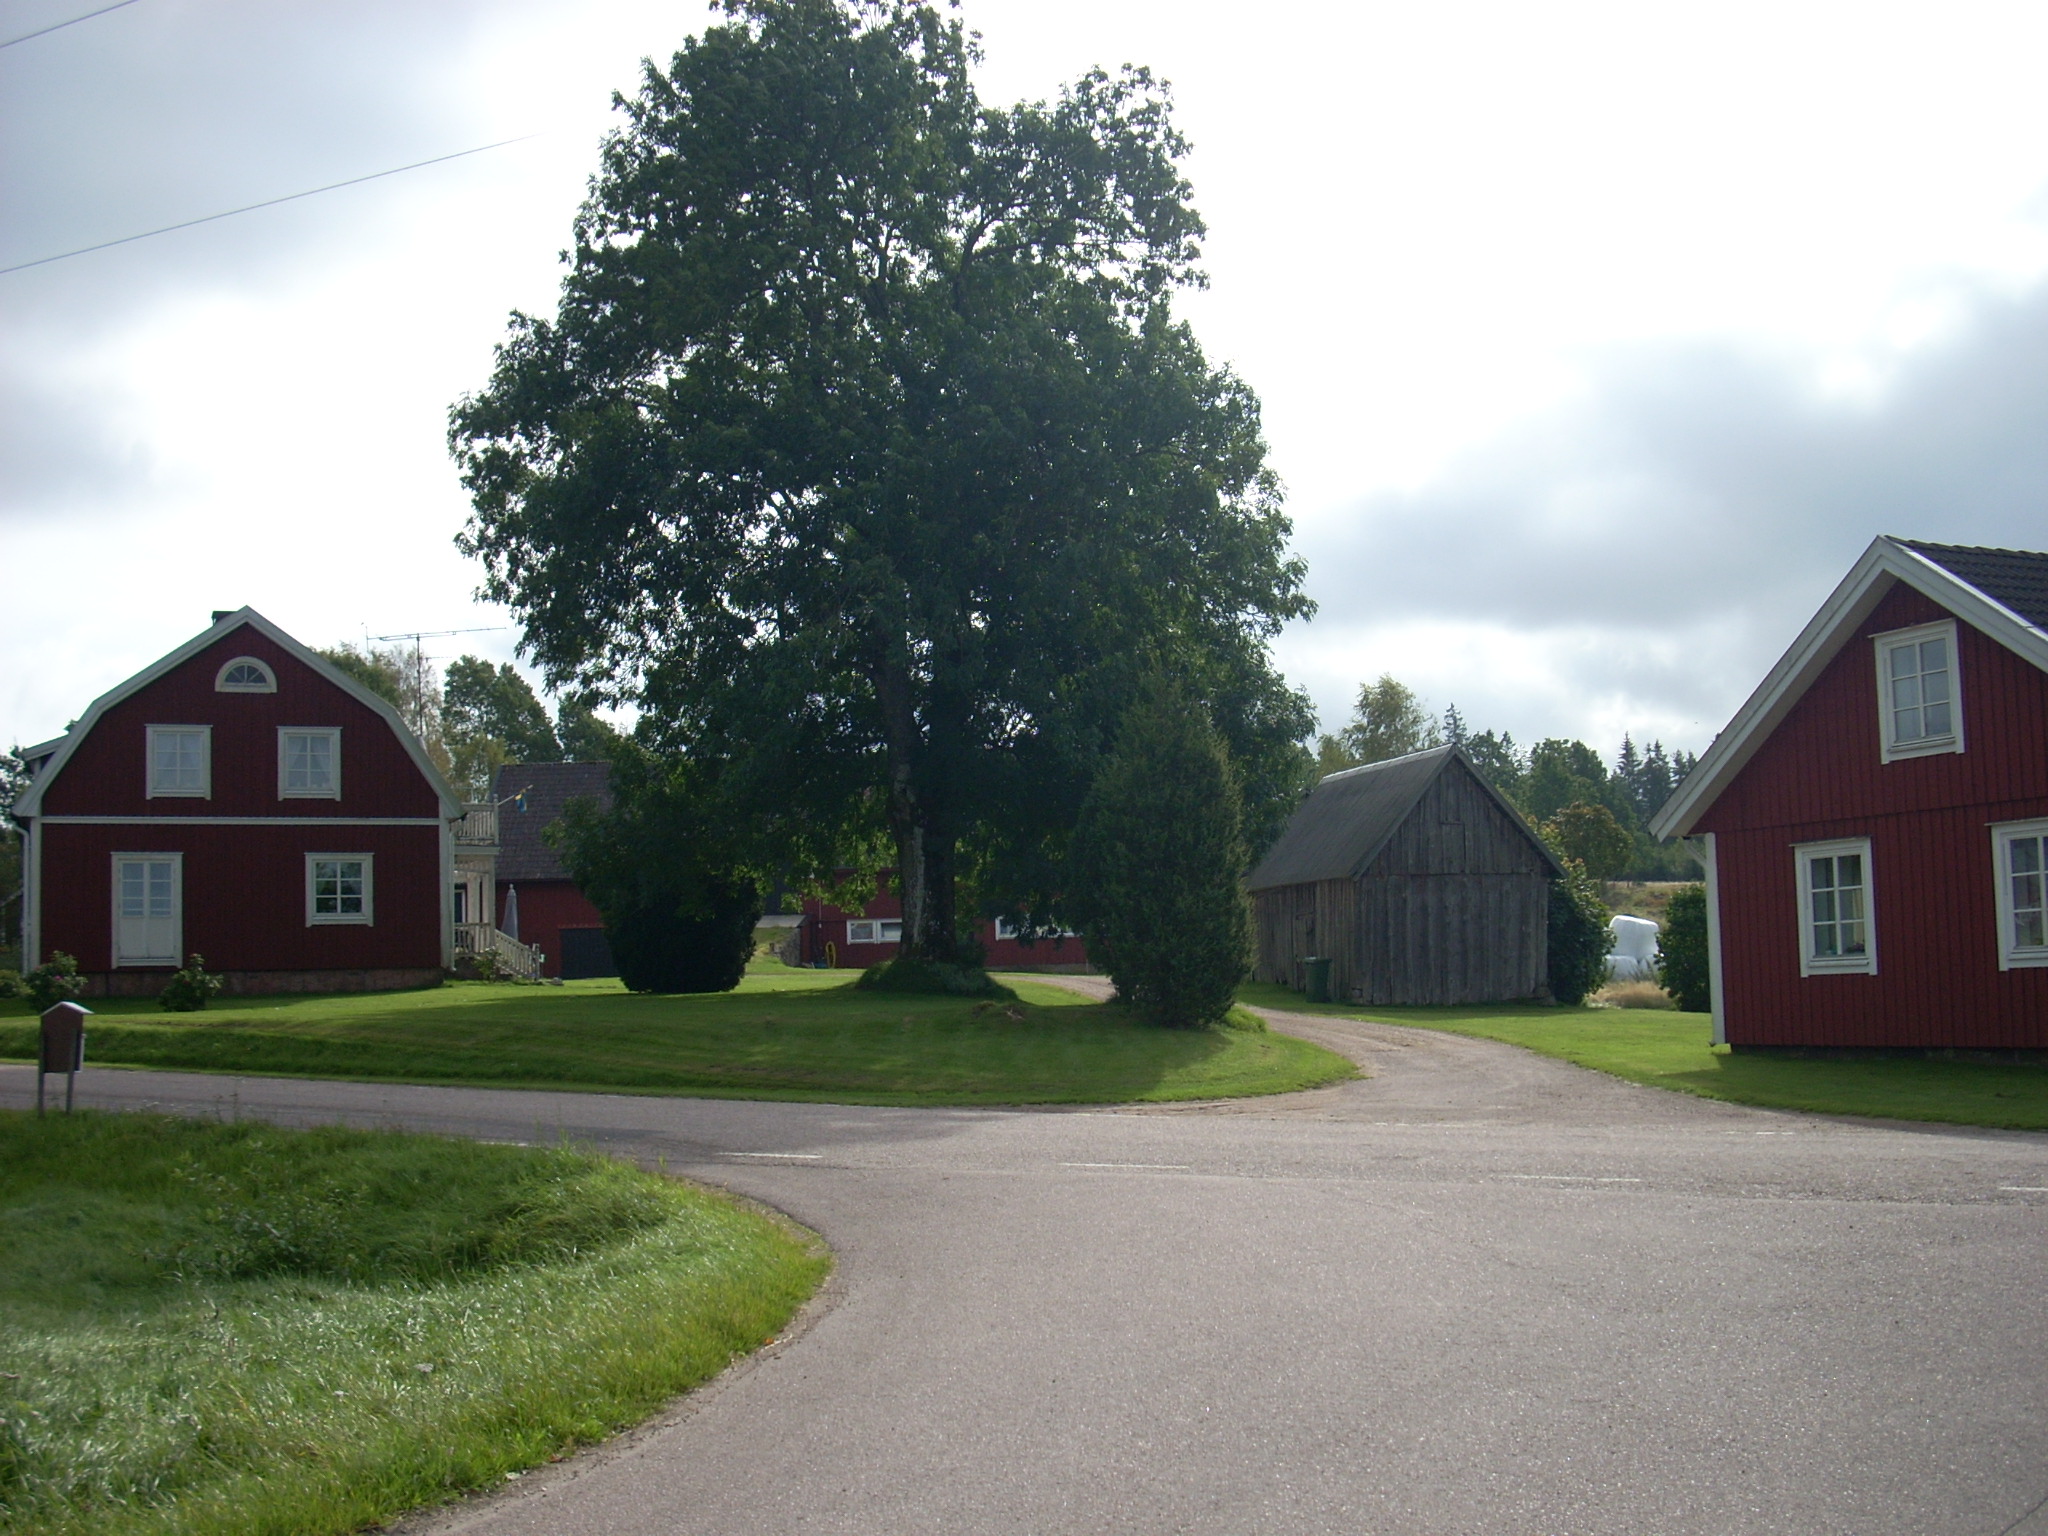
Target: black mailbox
[(63, 1049)]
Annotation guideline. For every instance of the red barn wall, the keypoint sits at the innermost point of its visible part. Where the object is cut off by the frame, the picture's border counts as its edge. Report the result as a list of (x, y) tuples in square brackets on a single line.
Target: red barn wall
[(1820, 776), (106, 776), (546, 907), (245, 895)]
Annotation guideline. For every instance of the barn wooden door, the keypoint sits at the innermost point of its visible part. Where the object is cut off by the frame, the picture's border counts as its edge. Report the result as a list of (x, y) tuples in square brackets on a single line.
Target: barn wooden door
[(148, 908)]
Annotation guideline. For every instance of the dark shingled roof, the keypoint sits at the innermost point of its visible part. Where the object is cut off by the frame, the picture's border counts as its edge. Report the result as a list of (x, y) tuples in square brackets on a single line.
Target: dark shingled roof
[(2016, 578), (1347, 819), (534, 795)]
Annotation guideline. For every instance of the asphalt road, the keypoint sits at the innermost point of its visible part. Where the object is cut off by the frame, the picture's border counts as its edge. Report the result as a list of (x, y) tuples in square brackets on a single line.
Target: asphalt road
[(1479, 1292)]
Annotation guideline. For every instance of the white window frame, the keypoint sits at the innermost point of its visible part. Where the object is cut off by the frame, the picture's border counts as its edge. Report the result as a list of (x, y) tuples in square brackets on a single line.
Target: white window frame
[(177, 863), (222, 685), (2012, 955), (1891, 749), (205, 789), (1811, 964), (333, 735), (365, 918), (874, 930), (1005, 929)]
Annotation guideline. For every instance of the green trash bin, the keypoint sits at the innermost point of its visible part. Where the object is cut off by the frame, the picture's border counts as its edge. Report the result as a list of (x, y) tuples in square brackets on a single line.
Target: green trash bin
[(1318, 967)]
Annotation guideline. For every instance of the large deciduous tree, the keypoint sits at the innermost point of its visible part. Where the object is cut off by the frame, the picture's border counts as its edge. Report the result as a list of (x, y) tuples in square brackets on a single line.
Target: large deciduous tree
[(866, 455)]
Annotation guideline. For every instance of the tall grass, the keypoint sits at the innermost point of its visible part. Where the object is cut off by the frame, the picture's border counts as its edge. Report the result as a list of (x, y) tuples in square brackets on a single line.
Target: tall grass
[(214, 1329)]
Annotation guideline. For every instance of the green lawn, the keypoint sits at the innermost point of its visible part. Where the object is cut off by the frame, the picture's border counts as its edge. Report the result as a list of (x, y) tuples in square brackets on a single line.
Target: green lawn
[(209, 1329), (784, 1034), (1676, 1051)]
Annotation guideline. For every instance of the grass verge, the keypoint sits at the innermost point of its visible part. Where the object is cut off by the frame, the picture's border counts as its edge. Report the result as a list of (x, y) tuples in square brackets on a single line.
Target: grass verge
[(1676, 1051), (785, 1034), (238, 1330)]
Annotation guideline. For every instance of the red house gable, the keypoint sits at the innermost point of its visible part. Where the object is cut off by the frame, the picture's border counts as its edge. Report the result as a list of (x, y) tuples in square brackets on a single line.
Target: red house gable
[(1872, 822), (243, 800)]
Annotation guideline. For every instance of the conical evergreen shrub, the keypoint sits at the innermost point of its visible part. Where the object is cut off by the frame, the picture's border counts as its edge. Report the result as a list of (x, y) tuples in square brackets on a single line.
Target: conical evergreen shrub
[(1158, 863)]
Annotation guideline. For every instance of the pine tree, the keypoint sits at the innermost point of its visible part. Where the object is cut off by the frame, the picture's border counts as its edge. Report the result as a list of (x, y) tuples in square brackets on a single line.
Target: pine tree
[(1158, 859)]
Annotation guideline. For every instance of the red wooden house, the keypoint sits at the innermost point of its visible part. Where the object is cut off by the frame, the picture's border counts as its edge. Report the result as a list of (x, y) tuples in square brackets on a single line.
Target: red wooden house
[(244, 800), (846, 937), (536, 901), (1873, 823)]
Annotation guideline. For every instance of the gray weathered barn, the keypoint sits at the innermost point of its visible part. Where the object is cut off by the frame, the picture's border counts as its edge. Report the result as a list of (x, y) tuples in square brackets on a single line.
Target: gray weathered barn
[(1416, 879)]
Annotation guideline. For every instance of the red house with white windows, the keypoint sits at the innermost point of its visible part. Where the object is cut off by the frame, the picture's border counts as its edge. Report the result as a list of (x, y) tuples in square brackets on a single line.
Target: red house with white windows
[(243, 800), (1873, 824), (846, 938)]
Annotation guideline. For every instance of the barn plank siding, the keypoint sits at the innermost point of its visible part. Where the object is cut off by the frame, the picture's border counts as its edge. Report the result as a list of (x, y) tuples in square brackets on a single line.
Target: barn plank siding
[(1452, 907)]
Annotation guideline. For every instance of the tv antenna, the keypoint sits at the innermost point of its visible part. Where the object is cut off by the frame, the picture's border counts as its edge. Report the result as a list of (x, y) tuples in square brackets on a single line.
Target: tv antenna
[(419, 661)]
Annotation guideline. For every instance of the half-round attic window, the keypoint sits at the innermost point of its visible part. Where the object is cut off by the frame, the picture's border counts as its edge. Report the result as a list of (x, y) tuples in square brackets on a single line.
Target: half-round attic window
[(245, 674)]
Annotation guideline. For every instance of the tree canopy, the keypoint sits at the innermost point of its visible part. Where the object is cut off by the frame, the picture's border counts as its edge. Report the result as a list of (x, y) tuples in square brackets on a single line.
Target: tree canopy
[(866, 455), (491, 716), (1387, 721)]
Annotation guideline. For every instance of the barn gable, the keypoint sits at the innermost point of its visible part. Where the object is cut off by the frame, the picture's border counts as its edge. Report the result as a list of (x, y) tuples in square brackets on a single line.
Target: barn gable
[(1415, 879), (2001, 593)]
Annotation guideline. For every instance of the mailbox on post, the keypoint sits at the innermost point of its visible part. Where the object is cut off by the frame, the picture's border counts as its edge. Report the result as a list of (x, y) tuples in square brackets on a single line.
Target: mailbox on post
[(63, 1049)]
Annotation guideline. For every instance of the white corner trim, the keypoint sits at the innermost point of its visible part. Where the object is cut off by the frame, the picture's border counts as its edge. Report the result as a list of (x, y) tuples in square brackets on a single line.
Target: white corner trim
[(1890, 749), (1701, 847), (1885, 562), (2012, 956)]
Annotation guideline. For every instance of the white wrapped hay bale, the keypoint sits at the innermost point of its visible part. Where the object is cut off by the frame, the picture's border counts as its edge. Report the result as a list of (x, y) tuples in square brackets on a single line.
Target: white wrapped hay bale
[(1634, 956)]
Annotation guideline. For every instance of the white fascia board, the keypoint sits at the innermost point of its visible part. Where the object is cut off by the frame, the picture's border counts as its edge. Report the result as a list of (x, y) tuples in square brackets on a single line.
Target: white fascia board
[(30, 803), (1854, 598)]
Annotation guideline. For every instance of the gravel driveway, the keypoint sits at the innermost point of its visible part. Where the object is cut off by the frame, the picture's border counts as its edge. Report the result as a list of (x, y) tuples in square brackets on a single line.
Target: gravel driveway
[(1480, 1291)]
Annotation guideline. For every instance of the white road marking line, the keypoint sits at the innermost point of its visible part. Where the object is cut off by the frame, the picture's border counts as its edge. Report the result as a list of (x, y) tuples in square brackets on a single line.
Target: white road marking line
[(1162, 1167), (1574, 1178), (809, 1157), (2024, 1189)]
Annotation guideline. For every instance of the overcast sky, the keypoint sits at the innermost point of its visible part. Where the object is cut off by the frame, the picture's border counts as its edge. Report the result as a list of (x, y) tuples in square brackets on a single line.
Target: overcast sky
[(1595, 340)]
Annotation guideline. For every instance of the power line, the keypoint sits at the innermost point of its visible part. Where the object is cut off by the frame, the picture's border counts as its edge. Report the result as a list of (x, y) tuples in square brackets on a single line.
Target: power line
[(269, 202), (61, 25)]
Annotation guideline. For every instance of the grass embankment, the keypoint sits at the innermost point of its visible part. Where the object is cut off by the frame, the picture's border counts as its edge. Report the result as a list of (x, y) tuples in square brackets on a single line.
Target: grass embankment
[(785, 1034), (210, 1329), (1676, 1051)]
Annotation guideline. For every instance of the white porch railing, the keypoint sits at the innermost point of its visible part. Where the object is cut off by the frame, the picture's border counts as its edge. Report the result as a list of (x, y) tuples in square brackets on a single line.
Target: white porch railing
[(478, 827), (514, 958)]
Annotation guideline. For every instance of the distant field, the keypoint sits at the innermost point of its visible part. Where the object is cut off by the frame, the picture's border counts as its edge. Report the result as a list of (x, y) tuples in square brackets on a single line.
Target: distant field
[(1676, 1051), (784, 1034), (238, 1330)]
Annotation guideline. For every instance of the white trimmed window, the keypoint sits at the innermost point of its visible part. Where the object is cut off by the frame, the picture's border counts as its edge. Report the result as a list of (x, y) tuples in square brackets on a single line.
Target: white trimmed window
[(180, 761), (339, 888), (245, 674), (2019, 853), (874, 930), (1835, 929), (1920, 706), (148, 908), (308, 763), (1005, 929)]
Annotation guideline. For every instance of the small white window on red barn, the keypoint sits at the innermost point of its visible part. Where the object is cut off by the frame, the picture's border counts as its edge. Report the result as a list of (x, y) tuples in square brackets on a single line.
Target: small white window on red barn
[(1837, 930), (180, 761), (1919, 697), (339, 888), (245, 674), (2019, 863), (309, 762)]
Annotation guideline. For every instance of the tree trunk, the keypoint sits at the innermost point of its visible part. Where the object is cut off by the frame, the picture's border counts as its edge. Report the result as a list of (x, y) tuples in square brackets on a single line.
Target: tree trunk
[(925, 839)]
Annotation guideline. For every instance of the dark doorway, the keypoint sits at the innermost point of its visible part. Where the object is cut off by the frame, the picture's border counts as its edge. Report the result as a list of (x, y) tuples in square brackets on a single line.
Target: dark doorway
[(586, 952)]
